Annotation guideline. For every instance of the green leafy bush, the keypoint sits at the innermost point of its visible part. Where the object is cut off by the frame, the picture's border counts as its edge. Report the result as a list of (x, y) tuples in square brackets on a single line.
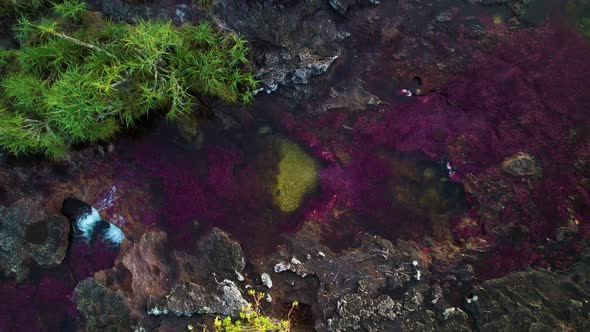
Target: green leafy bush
[(253, 319), (79, 77)]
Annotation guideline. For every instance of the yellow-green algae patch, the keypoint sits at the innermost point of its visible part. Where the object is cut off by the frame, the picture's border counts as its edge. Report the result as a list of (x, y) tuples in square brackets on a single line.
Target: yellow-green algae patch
[(298, 175)]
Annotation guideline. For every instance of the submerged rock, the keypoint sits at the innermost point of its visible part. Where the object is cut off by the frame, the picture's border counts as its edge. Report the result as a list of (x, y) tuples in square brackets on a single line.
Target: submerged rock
[(298, 175), (157, 280), (28, 234), (535, 300), (521, 164)]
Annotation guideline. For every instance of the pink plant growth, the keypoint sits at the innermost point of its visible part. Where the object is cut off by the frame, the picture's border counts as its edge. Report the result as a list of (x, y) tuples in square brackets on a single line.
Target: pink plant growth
[(529, 93)]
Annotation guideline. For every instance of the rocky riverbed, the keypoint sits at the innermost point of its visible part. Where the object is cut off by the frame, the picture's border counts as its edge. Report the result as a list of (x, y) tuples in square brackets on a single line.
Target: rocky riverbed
[(407, 165)]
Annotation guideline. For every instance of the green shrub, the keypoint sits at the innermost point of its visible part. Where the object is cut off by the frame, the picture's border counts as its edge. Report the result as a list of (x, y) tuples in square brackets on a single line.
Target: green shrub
[(253, 319), (80, 78)]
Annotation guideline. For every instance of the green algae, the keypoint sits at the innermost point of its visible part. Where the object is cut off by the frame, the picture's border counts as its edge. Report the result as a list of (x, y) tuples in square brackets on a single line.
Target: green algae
[(298, 175)]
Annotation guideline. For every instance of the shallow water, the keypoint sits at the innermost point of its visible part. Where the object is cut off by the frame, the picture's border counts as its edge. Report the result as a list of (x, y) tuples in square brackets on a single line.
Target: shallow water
[(399, 169)]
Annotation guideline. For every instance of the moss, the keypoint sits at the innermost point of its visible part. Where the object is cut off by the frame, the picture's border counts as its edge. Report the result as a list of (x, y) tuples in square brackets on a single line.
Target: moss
[(298, 175)]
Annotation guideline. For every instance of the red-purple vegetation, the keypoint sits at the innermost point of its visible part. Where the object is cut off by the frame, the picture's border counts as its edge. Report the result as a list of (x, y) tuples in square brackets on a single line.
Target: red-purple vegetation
[(529, 93), (45, 305), (85, 259)]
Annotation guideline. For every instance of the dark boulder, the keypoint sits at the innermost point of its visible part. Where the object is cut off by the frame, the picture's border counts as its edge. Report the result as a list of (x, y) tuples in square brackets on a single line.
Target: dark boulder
[(30, 235), (101, 308), (535, 300), (224, 256)]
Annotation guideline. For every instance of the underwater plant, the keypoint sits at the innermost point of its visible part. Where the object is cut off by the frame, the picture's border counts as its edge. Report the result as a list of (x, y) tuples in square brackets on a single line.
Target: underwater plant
[(78, 77), (298, 175)]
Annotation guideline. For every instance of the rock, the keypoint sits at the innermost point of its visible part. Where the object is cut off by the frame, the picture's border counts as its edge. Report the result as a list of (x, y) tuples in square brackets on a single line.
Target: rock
[(187, 299), (520, 7), (224, 255), (266, 281), (311, 65), (358, 312), (29, 234), (102, 309), (301, 39), (351, 96), (152, 266), (372, 287), (342, 6), (48, 240), (465, 272), (231, 300), (74, 208), (535, 300), (188, 129), (298, 175), (520, 164), (157, 280)]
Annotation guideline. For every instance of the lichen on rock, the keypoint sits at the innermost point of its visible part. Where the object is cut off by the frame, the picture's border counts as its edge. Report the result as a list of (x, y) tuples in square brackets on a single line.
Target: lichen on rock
[(102, 308), (28, 234), (298, 175)]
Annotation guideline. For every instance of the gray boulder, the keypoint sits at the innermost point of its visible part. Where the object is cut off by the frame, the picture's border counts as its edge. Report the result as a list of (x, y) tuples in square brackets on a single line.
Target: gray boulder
[(29, 235), (101, 308)]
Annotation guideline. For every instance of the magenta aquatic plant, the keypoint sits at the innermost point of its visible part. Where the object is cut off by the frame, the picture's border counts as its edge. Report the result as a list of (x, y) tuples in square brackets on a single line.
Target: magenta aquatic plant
[(527, 93), (524, 94)]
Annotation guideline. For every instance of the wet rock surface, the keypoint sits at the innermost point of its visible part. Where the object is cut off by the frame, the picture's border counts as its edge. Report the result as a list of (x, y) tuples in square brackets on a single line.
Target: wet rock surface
[(521, 164), (189, 299), (300, 39), (30, 235), (102, 308), (224, 256), (535, 300), (381, 286), (343, 6), (376, 286), (157, 281)]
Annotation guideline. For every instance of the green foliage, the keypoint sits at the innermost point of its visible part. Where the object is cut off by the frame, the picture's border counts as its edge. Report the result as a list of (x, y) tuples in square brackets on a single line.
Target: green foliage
[(69, 9), (81, 78), (252, 318)]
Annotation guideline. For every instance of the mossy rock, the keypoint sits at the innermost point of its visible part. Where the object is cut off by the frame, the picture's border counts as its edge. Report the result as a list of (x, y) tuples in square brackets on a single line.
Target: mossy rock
[(298, 175)]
